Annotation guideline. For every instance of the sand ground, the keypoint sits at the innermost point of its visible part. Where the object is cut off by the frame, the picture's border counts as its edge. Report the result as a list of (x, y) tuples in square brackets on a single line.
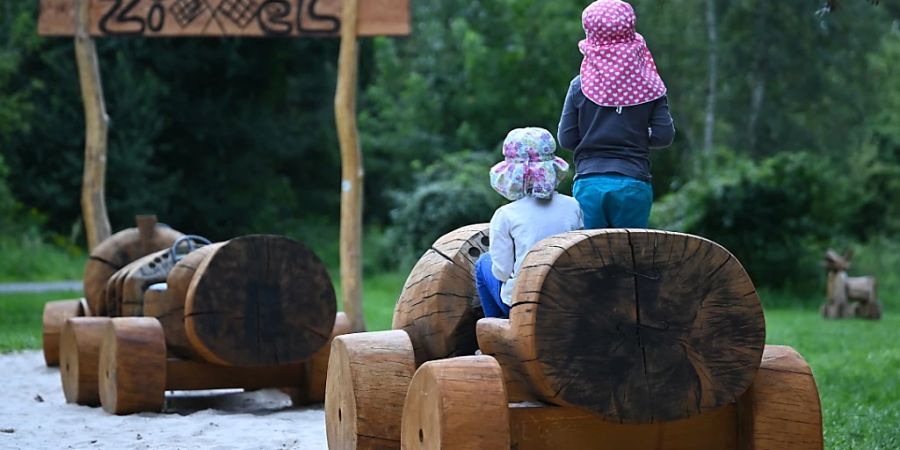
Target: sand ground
[(35, 415)]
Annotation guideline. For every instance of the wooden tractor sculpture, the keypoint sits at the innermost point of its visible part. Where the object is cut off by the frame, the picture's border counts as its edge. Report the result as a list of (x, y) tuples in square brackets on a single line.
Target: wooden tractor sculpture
[(617, 339), (253, 312), (113, 254)]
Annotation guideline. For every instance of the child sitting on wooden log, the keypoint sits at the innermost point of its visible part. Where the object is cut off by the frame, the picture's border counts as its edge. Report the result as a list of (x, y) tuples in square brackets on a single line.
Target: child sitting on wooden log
[(528, 177), (615, 111)]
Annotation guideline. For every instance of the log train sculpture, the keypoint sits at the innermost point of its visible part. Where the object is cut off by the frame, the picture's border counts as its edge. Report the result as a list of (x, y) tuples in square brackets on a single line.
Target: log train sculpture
[(252, 312), (634, 339)]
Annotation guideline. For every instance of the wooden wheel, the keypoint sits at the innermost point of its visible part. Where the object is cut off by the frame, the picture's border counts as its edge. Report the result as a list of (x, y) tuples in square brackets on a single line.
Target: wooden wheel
[(455, 404), (132, 366), (781, 409), (55, 315), (439, 305), (638, 326), (259, 300), (368, 375), (79, 355)]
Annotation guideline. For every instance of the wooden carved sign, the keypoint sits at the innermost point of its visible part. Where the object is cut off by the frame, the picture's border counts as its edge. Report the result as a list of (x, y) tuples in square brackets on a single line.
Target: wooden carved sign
[(215, 18)]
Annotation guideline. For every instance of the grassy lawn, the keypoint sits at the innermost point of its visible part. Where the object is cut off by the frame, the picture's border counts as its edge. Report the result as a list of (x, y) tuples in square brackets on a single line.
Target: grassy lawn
[(856, 363)]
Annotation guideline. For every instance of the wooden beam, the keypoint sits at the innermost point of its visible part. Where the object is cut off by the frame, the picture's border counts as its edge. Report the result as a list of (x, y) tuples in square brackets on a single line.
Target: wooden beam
[(93, 199), (258, 18), (351, 170)]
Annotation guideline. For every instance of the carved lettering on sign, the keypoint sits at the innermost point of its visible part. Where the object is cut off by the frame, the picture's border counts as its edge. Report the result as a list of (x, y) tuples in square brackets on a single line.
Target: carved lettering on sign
[(262, 18)]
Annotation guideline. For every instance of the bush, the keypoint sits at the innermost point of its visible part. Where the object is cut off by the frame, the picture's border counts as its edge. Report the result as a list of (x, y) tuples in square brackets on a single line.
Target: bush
[(776, 216), (453, 192)]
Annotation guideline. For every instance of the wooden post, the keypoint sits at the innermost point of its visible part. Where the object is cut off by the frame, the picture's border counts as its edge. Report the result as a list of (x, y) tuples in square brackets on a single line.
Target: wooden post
[(351, 168), (93, 201)]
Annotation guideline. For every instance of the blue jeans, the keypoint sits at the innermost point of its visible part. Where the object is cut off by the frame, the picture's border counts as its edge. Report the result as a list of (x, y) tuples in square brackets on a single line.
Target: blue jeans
[(613, 201), (488, 287)]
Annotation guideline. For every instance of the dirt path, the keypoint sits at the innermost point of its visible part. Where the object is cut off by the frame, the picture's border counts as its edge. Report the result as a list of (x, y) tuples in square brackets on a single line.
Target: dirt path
[(34, 415)]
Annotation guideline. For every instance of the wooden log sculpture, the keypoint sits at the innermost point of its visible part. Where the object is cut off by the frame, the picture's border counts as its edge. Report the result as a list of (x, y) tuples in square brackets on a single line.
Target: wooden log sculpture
[(439, 306), (368, 376), (637, 326), (458, 403), (55, 315), (79, 358), (849, 296), (781, 410), (118, 251), (253, 312)]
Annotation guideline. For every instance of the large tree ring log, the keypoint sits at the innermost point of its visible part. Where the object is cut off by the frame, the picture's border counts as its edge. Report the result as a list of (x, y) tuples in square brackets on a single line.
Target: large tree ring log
[(118, 251), (79, 355), (132, 366), (637, 326), (439, 306), (55, 315), (368, 376), (458, 403), (781, 409), (259, 300)]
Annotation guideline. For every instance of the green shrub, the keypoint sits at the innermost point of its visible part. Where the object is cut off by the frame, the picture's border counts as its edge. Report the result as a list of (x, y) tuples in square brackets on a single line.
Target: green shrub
[(776, 216), (454, 191)]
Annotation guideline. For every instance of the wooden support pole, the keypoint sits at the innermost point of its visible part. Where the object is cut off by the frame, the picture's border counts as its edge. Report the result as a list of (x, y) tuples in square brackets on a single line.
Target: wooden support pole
[(351, 168), (93, 201)]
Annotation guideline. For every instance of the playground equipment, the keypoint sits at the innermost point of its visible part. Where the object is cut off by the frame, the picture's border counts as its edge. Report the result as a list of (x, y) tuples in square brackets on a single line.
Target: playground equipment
[(348, 19), (635, 339), (849, 296), (112, 255), (252, 312)]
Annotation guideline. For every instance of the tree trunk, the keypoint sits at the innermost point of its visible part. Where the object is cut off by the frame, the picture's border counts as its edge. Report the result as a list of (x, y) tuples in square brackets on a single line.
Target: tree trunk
[(93, 200), (351, 169), (710, 123)]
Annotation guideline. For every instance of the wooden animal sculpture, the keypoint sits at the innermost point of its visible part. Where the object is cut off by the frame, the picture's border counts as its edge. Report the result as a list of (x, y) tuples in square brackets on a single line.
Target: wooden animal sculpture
[(849, 296)]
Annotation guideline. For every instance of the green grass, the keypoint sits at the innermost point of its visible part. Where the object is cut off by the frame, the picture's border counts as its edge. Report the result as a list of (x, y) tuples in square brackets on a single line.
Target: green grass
[(20, 319), (29, 259), (856, 363), (857, 368)]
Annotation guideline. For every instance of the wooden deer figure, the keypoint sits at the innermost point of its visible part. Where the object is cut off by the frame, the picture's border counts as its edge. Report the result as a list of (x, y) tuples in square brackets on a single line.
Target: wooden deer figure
[(849, 296)]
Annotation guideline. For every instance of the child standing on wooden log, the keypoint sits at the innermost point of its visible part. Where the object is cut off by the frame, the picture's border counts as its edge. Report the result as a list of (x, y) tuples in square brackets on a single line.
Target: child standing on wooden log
[(528, 176), (615, 111)]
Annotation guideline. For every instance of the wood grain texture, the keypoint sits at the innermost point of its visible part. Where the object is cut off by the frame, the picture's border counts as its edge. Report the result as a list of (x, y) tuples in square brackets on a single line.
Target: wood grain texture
[(167, 304), (495, 339), (439, 306), (115, 253), (183, 374), (352, 171), (259, 300), (215, 18), (317, 365), (782, 408), (132, 366), (54, 317), (456, 403), (368, 377), (538, 426), (637, 326), (96, 124), (79, 358)]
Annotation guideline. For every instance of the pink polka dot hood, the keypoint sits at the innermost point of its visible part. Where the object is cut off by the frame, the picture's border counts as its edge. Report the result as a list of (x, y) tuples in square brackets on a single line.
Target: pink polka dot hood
[(618, 69), (530, 167)]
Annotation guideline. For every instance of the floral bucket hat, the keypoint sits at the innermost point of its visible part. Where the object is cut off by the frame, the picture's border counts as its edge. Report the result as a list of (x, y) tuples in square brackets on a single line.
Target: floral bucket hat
[(618, 69), (530, 166)]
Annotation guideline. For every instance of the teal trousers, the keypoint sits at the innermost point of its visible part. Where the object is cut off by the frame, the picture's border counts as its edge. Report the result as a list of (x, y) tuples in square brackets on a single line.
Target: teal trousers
[(613, 201)]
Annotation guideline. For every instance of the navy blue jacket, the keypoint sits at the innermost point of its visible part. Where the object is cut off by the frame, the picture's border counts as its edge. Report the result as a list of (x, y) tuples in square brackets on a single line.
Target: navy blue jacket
[(613, 140)]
